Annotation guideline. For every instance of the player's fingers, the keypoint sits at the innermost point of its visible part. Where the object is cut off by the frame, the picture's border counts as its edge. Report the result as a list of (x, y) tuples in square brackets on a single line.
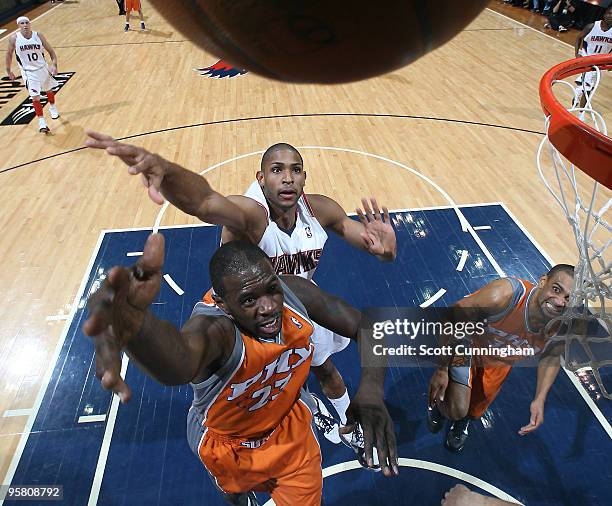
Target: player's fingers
[(392, 447), (375, 208), (383, 451), (440, 393), (431, 395), (155, 195), (367, 209), (361, 216), (118, 278), (126, 150), (368, 442), (98, 136), (152, 259), (111, 380), (386, 216)]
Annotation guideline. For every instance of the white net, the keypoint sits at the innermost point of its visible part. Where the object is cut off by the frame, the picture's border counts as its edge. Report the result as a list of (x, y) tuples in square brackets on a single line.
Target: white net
[(586, 326)]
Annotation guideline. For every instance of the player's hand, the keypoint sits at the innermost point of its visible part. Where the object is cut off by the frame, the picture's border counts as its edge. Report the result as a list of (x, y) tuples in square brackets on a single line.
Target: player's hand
[(438, 385), (537, 417), (151, 167), (369, 410), (53, 69), (379, 235), (117, 311), (11, 75), (460, 495)]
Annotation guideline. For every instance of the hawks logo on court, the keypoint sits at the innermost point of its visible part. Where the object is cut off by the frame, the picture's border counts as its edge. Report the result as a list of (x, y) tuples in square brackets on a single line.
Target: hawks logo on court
[(25, 112), (220, 70)]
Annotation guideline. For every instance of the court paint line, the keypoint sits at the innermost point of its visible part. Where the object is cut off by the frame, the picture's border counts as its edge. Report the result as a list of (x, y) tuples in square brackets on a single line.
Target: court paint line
[(187, 225), (91, 418), (530, 27), (583, 393), (134, 254), (17, 412), (429, 466), (106, 441), (465, 225), (2, 30), (8, 478), (433, 298), (461, 264), (57, 317), (173, 284), (483, 227)]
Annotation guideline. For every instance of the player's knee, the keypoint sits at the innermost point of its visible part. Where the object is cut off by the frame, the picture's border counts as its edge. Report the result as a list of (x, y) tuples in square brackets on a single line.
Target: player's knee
[(456, 409)]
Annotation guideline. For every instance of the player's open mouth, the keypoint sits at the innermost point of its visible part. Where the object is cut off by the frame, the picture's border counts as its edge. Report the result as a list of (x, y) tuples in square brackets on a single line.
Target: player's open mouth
[(270, 326), (287, 194), (552, 309)]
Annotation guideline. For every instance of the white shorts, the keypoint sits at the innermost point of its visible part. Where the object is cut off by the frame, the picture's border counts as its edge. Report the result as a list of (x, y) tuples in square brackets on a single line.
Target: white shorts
[(326, 343), (38, 81)]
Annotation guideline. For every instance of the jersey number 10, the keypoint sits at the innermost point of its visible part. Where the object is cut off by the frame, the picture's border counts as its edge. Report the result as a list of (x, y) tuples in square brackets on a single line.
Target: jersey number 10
[(32, 56)]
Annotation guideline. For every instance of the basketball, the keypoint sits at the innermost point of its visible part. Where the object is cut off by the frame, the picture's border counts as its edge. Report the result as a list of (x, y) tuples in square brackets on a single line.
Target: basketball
[(319, 41)]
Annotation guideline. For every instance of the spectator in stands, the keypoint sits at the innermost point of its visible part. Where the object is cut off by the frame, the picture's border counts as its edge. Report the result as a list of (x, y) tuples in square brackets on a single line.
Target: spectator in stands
[(562, 16)]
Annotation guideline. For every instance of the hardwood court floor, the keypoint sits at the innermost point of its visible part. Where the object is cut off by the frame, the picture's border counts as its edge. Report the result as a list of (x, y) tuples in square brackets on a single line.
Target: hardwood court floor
[(466, 117)]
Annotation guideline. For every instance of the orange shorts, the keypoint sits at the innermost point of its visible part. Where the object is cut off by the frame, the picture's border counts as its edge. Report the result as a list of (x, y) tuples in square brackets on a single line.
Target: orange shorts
[(131, 5), (287, 465), (486, 383)]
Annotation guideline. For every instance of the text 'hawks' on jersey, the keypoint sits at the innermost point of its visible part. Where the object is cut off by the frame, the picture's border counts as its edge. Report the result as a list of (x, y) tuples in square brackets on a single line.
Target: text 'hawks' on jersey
[(29, 53), (297, 253), (597, 41)]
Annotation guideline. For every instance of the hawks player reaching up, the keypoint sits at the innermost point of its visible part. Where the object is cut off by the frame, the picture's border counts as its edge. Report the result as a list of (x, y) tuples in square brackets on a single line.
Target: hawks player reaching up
[(38, 76), (276, 215), (246, 360)]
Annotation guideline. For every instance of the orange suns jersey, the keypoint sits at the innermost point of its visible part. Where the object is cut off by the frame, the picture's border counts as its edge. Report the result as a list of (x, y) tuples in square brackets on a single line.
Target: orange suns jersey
[(510, 328), (251, 394)]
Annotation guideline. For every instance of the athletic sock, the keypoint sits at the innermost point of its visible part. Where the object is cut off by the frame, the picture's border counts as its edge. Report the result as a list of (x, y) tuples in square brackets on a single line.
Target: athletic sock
[(50, 97), (341, 404), (38, 108)]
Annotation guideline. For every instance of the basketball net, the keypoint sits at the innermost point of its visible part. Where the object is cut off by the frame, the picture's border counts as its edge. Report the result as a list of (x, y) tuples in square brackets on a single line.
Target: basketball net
[(585, 322)]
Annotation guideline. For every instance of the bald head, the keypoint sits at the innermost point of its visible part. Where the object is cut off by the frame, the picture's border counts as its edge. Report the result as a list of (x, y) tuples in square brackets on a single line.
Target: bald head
[(275, 148)]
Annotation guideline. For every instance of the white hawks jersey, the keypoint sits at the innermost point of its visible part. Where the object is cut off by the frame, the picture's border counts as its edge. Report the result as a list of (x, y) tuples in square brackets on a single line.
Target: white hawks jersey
[(597, 41), (30, 52), (297, 253)]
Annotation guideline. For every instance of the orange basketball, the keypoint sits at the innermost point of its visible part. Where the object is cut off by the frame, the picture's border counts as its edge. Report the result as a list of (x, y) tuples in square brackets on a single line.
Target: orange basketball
[(319, 41)]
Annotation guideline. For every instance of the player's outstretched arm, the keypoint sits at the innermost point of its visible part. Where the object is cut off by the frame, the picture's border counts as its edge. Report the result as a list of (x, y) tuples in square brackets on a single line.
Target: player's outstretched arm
[(188, 191), (460, 495), (372, 233), (367, 407), (548, 369), (119, 320), (8, 60)]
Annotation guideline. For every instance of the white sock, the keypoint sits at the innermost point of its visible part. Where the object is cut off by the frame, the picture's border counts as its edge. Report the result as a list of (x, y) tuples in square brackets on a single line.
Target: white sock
[(341, 404)]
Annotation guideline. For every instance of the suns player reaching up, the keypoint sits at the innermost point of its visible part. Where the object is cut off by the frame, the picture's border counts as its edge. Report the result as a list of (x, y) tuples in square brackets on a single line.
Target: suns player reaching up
[(246, 359), (596, 38), (28, 47), (516, 314), (276, 215)]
